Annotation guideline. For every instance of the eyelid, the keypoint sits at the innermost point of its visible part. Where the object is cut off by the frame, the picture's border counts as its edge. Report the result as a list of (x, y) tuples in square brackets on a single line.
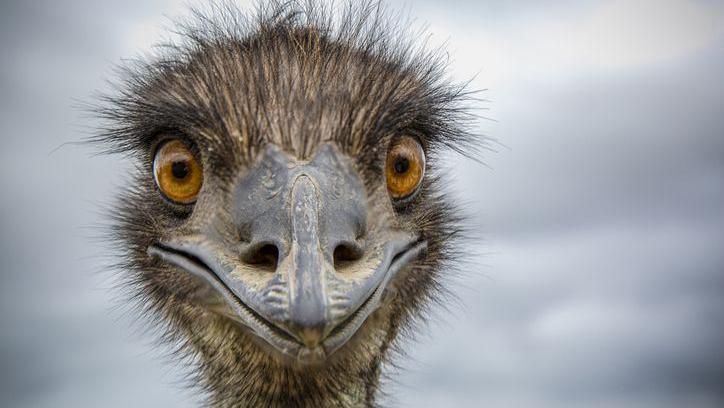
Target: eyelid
[(161, 138)]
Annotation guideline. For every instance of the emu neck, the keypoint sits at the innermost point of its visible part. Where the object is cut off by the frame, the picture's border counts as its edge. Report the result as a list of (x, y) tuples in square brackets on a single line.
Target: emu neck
[(291, 388)]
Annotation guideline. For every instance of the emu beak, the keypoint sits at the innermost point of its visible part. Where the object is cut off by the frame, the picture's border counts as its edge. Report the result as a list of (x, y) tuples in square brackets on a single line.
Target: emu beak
[(308, 271)]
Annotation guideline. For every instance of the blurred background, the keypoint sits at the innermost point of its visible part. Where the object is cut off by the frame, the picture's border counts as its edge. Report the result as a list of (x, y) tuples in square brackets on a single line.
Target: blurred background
[(600, 279)]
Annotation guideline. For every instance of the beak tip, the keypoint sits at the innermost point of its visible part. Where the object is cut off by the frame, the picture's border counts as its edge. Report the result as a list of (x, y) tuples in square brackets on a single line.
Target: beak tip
[(311, 337)]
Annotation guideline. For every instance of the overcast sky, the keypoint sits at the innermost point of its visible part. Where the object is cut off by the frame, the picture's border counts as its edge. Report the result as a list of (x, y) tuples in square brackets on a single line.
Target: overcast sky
[(599, 279)]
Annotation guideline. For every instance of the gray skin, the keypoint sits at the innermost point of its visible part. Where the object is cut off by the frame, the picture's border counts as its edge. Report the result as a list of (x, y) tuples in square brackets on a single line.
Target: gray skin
[(289, 279)]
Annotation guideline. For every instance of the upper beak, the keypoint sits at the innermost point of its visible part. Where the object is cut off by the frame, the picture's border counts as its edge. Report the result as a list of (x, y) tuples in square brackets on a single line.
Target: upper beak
[(309, 222)]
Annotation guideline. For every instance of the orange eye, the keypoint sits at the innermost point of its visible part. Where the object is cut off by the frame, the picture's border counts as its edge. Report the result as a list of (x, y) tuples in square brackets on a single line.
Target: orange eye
[(405, 167), (177, 172)]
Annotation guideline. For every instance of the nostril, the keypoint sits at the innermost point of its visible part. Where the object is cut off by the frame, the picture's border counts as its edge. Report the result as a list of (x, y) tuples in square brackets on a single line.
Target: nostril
[(263, 256), (345, 255)]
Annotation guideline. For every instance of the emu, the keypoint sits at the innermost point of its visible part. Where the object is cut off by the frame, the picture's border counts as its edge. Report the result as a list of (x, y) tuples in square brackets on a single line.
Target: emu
[(286, 220)]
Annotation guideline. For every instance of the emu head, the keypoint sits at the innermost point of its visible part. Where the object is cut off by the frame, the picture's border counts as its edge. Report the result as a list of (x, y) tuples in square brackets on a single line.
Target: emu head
[(285, 214)]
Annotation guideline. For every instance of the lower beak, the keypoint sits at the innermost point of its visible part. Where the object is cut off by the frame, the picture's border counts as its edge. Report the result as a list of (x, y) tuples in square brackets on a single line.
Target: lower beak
[(279, 312)]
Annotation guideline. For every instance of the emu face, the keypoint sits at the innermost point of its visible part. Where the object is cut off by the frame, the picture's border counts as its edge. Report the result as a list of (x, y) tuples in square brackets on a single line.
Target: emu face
[(285, 213), (296, 250)]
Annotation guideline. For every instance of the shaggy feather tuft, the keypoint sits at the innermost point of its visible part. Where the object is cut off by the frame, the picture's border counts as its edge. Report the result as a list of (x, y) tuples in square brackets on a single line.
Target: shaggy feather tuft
[(294, 74)]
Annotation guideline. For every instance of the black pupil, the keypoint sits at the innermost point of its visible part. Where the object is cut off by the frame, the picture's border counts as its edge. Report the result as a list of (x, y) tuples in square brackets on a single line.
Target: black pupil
[(401, 165), (180, 169)]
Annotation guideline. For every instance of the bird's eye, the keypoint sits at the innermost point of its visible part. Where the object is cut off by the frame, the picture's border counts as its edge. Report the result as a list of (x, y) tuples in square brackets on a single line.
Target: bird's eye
[(177, 172), (405, 167)]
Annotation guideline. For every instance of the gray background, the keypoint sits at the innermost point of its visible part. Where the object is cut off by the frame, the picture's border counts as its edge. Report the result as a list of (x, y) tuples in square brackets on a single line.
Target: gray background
[(600, 279)]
